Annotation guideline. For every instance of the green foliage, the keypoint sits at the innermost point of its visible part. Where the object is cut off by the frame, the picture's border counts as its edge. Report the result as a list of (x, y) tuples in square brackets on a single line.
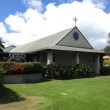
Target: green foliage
[(6, 66), (21, 68), (105, 70), (106, 62), (1, 79), (1, 45), (1, 50), (32, 67), (107, 50), (80, 94), (55, 71)]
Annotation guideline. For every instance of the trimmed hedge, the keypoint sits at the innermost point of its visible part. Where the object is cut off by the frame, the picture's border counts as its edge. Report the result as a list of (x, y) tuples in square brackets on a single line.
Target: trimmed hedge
[(6, 66), (21, 68), (32, 67), (54, 71)]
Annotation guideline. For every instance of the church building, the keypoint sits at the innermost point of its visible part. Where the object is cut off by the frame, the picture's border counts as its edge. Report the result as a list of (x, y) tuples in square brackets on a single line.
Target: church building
[(68, 47)]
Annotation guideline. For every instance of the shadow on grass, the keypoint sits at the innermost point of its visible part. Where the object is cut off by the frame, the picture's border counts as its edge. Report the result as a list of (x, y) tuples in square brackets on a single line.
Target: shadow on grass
[(9, 96), (46, 80)]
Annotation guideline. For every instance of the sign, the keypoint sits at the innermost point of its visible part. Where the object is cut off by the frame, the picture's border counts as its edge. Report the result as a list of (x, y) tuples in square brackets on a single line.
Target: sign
[(17, 57)]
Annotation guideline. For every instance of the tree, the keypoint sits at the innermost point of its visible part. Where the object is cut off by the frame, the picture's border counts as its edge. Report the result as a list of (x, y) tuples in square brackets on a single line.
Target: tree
[(107, 48), (1, 45)]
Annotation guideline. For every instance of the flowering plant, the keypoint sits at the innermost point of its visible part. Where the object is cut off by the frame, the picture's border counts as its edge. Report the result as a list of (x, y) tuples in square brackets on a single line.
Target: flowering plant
[(17, 69), (21, 68)]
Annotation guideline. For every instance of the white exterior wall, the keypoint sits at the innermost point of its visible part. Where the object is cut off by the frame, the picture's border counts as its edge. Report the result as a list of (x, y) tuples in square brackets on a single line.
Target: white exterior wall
[(91, 60), (88, 59), (65, 58), (70, 58), (81, 42)]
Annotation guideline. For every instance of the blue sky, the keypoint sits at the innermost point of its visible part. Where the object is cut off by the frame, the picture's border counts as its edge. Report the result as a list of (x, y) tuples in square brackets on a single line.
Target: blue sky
[(107, 8), (8, 7), (34, 19)]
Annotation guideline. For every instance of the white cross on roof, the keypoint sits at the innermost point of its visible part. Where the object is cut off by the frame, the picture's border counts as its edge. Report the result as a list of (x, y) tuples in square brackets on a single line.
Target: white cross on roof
[(75, 20)]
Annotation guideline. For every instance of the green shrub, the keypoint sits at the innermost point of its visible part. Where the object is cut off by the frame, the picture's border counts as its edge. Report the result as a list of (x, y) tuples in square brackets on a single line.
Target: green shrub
[(6, 66), (55, 71), (81, 71), (105, 70), (32, 67), (1, 79), (21, 68)]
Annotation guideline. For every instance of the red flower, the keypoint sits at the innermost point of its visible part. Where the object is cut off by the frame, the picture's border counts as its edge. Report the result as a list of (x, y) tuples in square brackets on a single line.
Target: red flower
[(17, 68)]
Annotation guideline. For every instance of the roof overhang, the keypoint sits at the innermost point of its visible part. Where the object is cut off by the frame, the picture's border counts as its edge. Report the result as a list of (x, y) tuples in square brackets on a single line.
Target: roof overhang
[(65, 48), (71, 49)]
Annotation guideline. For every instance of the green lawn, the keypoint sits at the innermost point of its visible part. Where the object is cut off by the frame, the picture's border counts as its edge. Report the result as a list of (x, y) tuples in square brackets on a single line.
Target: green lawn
[(76, 94)]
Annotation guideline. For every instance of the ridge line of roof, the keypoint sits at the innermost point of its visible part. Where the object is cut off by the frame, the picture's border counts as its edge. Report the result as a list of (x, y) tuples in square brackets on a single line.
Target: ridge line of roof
[(66, 34), (50, 35), (84, 37)]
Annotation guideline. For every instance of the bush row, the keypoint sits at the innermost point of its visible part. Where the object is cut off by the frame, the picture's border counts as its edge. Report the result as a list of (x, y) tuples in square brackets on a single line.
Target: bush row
[(105, 70), (55, 71), (1, 80), (21, 68)]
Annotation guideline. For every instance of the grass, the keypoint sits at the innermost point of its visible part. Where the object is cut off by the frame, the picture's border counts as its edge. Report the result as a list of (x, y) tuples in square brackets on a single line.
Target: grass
[(77, 94)]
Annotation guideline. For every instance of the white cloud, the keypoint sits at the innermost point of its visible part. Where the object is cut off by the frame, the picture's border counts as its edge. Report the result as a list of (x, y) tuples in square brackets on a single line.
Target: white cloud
[(15, 23), (17, 38), (36, 4), (93, 22), (2, 29)]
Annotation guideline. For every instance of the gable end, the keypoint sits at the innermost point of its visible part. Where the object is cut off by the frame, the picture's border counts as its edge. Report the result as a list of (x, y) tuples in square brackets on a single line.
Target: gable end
[(75, 39)]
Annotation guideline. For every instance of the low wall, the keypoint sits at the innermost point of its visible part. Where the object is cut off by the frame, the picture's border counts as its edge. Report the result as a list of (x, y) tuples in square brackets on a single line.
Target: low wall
[(25, 78)]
